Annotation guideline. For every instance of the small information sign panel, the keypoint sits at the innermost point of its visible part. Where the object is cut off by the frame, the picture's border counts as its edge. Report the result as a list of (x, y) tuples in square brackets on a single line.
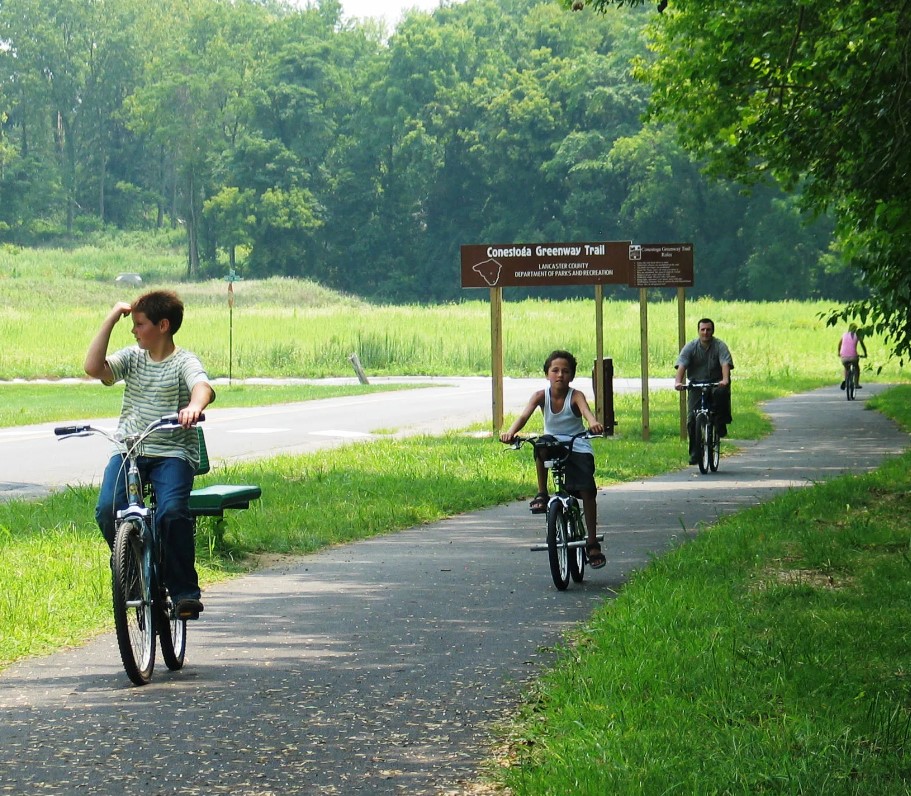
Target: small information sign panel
[(545, 264), (661, 265)]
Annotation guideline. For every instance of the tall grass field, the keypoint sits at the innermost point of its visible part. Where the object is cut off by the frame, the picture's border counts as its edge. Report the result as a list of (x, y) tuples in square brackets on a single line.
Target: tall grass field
[(52, 301)]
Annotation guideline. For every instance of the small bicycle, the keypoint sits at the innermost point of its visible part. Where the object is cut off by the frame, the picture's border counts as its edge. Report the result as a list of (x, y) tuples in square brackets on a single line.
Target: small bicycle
[(566, 532), (851, 379), (705, 427), (142, 605)]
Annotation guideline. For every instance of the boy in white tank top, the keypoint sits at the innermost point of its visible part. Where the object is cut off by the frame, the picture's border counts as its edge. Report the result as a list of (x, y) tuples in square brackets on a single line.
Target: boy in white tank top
[(564, 409)]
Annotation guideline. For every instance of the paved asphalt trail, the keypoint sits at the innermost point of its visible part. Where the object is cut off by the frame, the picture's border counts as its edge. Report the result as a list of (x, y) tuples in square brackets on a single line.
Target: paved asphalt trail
[(378, 667)]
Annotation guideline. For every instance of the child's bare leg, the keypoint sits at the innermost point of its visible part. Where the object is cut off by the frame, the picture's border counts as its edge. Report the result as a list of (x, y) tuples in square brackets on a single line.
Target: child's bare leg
[(541, 473), (590, 510)]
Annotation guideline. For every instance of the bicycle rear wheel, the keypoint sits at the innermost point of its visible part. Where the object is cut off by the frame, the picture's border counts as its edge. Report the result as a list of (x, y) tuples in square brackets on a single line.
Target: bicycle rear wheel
[(851, 382), (172, 633), (133, 618), (557, 551), (704, 430), (576, 533)]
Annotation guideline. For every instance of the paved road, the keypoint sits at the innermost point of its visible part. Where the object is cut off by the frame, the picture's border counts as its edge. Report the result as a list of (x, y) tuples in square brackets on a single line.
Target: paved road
[(378, 667), (32, 460)]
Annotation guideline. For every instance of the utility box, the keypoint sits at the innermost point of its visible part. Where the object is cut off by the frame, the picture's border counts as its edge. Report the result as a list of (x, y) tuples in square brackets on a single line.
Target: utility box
[(604, 398)]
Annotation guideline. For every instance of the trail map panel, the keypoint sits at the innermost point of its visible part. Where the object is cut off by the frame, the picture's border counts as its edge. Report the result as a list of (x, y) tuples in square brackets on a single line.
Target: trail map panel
[(661, 265), (545, 264)]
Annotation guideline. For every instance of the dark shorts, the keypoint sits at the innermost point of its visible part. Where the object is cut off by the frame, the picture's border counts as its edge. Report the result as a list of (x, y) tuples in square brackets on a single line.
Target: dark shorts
[(579, 473)]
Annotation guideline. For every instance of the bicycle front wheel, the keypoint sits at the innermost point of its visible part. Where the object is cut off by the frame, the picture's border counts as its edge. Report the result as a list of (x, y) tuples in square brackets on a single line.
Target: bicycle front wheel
[(704, 430), (557, 551), (172, 634), (133, 618), (715, 445), (576, 533)]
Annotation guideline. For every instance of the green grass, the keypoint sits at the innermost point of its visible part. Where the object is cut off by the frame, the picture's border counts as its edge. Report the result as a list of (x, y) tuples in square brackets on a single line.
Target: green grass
[(27, 404), (769, 655)]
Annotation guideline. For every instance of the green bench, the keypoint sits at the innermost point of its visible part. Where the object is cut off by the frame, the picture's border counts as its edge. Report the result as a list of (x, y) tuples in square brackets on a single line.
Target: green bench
[(213, 501)]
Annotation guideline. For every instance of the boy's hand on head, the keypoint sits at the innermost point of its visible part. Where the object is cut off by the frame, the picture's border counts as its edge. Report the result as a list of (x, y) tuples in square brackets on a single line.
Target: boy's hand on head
[(121, 309)]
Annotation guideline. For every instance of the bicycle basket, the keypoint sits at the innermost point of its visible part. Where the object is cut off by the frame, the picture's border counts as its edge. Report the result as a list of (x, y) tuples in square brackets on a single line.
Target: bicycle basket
[(203, 453)]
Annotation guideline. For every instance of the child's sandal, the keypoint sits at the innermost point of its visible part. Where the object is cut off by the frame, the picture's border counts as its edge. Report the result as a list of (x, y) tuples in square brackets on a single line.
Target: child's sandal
[(538, 504), (596, 558)]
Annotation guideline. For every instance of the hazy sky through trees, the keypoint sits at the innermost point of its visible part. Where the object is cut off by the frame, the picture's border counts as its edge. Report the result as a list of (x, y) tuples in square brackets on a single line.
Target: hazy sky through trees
[(391, 10)]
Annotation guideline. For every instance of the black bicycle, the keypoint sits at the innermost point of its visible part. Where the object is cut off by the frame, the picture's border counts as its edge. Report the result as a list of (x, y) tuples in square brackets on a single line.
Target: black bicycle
[(852, 378), (142, 606), (566, 532), (705, 427)]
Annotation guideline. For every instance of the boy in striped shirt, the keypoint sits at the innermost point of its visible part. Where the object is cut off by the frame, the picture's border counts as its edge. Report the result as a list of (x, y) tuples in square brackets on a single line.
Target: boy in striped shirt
[(159, 378)]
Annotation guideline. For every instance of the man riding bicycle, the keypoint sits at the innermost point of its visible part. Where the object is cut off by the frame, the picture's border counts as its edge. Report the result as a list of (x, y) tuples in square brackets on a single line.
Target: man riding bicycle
[(705, 359)]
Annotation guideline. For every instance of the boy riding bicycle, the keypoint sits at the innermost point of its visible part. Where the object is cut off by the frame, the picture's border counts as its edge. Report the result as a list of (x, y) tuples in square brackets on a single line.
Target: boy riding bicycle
[(564, 408), (160, 379)]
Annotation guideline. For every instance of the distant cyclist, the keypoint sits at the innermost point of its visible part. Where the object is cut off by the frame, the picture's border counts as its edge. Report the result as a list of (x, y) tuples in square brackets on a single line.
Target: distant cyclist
[(847, 352), (706, 359)]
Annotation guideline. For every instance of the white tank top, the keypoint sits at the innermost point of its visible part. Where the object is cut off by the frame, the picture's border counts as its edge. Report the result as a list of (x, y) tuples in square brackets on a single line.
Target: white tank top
[(565, 424)]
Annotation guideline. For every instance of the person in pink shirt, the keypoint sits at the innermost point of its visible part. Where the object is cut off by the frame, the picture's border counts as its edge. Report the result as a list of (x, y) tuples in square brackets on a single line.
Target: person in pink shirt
[(847, 352)]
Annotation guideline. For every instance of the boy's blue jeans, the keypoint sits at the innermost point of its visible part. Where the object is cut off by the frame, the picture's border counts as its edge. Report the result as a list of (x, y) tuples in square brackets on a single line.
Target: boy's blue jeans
[(172, 480)]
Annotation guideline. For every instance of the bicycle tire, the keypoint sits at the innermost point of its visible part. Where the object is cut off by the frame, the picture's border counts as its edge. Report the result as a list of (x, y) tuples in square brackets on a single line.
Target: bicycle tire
[(133, 617), (851, 382), (715, 457), (172, 634), (703, 429), (576, 532), (557, 551)]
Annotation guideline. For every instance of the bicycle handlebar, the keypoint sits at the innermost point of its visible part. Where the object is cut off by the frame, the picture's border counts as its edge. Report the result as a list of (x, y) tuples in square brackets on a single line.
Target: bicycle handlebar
[(518, 441), (166, 422)]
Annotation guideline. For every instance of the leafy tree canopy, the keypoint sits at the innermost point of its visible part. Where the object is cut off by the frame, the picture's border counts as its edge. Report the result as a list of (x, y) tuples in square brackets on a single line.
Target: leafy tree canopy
[(810, 94)]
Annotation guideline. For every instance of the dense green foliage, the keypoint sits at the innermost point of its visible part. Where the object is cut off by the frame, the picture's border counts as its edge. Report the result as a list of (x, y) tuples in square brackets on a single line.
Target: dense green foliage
[(283, 141), (811, 94)]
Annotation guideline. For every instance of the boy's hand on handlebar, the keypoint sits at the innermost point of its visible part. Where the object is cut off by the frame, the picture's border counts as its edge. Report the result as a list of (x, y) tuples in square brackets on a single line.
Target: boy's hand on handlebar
[(507, 438), (596, 428), (188, 416)]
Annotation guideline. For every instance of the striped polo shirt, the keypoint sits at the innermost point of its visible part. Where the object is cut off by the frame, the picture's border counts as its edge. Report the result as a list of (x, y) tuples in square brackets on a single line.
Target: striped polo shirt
[(154, 389)]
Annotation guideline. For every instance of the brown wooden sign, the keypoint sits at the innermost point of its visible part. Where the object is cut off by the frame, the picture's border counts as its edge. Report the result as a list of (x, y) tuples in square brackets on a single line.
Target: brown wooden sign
[(661, 265), (545, 264)]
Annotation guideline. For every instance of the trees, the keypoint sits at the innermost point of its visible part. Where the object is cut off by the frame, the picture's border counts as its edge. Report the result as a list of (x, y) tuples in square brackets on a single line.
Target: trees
[(288, 140), (812, 95)]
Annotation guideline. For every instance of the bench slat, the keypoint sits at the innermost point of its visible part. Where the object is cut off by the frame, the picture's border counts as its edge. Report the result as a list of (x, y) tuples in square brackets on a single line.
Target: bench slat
[(211, 501)]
